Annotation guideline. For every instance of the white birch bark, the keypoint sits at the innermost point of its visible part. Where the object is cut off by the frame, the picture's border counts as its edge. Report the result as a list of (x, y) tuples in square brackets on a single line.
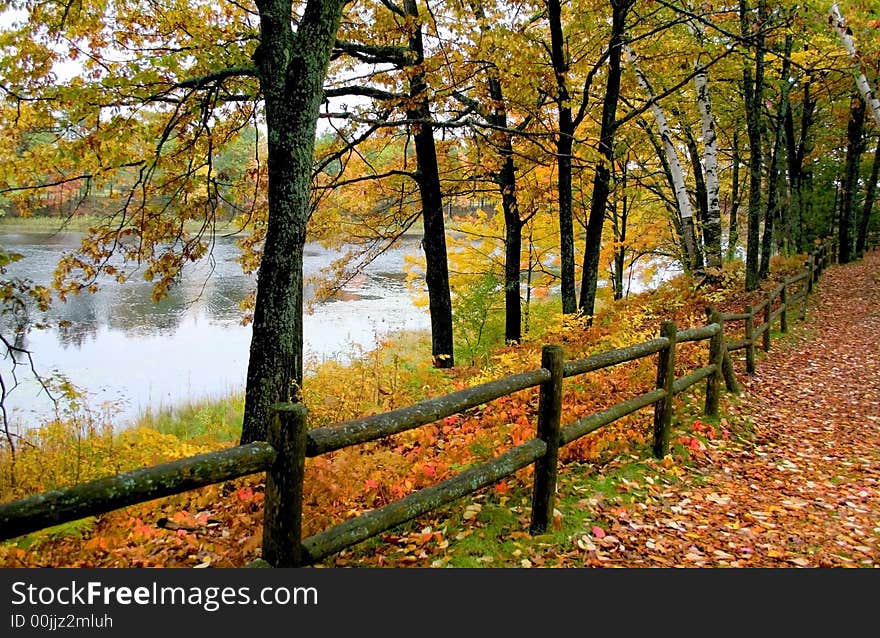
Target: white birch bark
[(681, 195), (868, 95), (710, 159)]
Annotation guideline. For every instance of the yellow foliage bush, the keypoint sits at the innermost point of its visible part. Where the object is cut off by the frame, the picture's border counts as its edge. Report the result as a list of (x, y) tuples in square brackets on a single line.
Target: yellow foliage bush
[(73, 450)]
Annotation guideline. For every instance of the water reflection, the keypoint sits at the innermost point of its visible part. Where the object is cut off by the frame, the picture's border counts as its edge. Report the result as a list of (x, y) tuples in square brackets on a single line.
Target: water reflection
[(121, 347)]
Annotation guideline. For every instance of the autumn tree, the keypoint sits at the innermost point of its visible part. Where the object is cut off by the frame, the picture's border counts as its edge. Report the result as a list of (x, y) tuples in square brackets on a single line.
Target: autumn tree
[(397, 78), (492, 107), (868, 206), (753, 88), (602, 178), (846, 227), (161, 89)]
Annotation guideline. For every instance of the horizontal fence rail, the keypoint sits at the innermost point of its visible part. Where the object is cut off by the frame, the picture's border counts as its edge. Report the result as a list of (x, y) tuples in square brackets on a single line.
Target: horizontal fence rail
[(290, 442), (327, 439), (103, 495)]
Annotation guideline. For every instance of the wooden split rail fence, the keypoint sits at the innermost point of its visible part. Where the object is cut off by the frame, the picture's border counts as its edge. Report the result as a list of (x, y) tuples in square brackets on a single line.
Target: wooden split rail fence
[(290, 441)]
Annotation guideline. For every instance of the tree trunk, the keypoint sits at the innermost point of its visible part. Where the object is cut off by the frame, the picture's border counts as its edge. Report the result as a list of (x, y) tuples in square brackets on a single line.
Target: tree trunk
[(292, 67), (512, 249), (870, 195), (699, 192), (619, 215), (671, 205), (564, 145), (772, 213), (712, 221), (868, 95), (733, 219), (428, 180), (753, 89), (797, 148), (602, 178), (680, 188), (854, 148), (506, 181)]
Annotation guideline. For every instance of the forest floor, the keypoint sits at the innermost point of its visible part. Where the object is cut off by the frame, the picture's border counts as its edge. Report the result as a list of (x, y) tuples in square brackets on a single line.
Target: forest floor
[(804, 488)]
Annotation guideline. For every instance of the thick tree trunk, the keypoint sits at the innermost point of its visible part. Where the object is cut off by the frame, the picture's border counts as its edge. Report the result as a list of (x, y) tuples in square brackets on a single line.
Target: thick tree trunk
[(512, 249), (564, 145), (292, 67), (428, 180), (854, 149), (602, 178), (753, 89)]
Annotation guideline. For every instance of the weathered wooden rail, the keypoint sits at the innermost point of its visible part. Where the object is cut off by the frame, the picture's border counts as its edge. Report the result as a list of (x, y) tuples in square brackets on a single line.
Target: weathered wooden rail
[(791, 294), (290, 441)]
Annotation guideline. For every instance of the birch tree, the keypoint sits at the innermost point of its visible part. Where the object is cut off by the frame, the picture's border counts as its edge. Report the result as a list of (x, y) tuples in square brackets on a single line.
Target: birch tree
[(680, 188), (838, 22), (712, 222)]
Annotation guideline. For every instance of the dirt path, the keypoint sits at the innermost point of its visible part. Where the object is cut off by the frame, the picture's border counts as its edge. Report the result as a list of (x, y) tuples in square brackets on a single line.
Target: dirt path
[(805, 491)]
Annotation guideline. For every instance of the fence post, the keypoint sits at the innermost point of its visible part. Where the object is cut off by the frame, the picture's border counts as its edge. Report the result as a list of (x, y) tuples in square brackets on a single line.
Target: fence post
[(549, 424), (811, 267), (716, 358), (783, 300), (665, 379), (767, 311), (808, 286), (727, 368), (750, 339), (282, 510)]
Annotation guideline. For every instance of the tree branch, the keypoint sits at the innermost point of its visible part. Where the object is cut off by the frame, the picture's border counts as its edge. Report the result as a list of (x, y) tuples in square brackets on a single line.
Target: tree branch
[(217, 76), (374, 54)]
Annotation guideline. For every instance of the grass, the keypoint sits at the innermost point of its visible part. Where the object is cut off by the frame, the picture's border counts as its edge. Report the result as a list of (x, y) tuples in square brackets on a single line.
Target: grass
[(78, 223), (208, 421), (491, 528), (46, 224)]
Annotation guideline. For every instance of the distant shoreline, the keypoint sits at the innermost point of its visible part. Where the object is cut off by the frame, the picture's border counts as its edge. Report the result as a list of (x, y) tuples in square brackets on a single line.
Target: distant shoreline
[(82, 225)]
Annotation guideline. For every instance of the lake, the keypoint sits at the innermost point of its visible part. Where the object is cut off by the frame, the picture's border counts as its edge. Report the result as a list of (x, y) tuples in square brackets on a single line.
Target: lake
[(132, 354)]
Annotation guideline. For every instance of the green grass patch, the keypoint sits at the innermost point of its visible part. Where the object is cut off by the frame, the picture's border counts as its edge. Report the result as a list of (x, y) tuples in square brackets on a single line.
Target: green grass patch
[(74, 529), (201, 421)]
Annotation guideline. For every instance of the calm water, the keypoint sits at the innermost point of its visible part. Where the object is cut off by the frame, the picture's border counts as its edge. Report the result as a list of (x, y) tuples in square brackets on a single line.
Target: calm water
[(126, 351)]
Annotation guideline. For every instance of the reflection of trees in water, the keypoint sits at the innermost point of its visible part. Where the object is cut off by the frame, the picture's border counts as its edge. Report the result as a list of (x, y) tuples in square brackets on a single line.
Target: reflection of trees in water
[(17, 327), (224, 296), (216, 288), (77, 319), (133, 311)]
